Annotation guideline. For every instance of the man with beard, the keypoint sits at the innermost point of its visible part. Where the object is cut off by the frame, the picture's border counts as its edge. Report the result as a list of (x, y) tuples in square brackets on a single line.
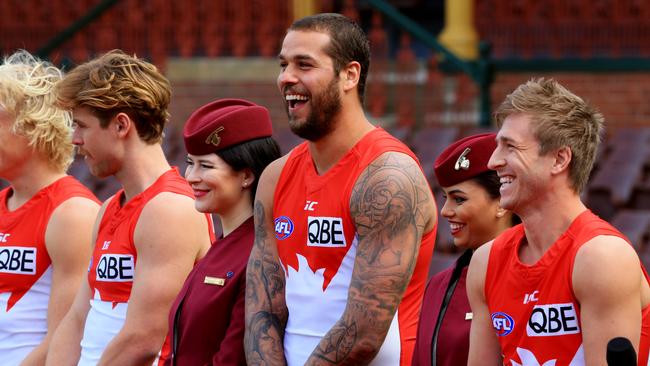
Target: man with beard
[(147, 236), (345, 223)]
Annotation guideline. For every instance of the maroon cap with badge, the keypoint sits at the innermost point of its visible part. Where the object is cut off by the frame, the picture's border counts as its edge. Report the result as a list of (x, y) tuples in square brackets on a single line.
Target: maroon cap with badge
[(224, 123), (464, 159)]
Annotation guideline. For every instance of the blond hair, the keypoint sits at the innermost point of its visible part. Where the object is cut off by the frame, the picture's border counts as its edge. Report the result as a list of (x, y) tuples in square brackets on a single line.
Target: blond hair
[(26, 92), (116, 82), (560, 118)]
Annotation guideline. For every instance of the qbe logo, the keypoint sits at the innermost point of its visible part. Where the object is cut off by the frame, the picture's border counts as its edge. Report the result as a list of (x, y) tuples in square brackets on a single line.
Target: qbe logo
[(552, 320), (502, 323), (18, 260), (325, 232), (283, 227), (115, 268)]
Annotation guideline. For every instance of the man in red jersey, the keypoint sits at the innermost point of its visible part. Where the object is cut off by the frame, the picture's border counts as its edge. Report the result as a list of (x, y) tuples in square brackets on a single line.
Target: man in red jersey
[(345, 222), (46, 216), (148, 235), (557, 288)]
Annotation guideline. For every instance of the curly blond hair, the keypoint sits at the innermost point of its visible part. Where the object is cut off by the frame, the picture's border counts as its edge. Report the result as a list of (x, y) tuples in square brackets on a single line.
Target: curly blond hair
[(26, 92), (116, 82), (560, 118)]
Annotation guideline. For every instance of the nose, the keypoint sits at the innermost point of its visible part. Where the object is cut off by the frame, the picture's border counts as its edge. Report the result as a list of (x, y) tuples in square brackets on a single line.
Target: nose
[(446, 210), (496, 161), (76, 137), (286, 78), (191, 175)]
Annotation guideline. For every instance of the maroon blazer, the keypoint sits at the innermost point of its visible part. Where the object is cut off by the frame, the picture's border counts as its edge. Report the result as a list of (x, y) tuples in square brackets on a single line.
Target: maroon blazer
[(452, 346), (206, 321)]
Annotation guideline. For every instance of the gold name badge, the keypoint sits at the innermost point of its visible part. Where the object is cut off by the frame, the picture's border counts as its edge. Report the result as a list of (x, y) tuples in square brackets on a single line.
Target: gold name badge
[(214, 281), (469, 316)]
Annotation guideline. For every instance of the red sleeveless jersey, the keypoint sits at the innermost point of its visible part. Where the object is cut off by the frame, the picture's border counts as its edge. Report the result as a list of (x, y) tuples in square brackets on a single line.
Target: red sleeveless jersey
[(533, 309), (111, 271), (317, 243), (25, 266)]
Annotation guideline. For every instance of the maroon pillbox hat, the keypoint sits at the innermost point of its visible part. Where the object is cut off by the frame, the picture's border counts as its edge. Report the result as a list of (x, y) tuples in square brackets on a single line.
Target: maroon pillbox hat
[(224, 123), (464, 159)]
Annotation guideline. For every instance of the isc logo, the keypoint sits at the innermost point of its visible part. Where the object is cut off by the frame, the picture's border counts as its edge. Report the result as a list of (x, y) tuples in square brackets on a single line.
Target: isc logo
[(325, 232), (502, 323), (552, 320), (283, 227), (115, 268), (18, 260)]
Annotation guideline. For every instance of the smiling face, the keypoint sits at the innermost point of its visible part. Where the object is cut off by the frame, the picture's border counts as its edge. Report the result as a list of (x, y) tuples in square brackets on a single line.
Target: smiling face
[(309, 84), (472, 214), (524, 174), (217, 187)]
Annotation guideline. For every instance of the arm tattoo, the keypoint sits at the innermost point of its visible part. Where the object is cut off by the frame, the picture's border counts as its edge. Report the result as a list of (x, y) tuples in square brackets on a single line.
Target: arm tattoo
[(266, 313), (391, 204)]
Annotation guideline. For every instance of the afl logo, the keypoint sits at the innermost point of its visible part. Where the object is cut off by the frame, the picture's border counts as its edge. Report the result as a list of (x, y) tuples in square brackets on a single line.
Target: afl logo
[(283, 227), (502, 323)]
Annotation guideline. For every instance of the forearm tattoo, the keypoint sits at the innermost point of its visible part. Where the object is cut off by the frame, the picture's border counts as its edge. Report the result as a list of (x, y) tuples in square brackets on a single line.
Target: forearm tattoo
[(391, 204), (266, 313)]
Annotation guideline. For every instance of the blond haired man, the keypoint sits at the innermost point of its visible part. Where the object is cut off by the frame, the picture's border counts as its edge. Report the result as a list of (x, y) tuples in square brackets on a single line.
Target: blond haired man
[(557, 288), (46, 216), (148, 235)]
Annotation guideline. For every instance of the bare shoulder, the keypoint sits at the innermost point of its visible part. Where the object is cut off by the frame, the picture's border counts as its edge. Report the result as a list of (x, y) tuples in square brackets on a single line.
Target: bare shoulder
[(478, 266), (269, 180), (70, 226), (169, 203), (395, 181), (75, 210), (598, 267), (170, 219)]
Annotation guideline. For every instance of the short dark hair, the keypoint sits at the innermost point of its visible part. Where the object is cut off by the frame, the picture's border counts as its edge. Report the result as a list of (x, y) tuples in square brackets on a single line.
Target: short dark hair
[(491, 183), (348, 42), (254, 155)]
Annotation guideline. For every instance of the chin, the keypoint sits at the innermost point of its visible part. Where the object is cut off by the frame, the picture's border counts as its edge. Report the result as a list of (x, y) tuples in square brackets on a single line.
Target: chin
[(460, 245)]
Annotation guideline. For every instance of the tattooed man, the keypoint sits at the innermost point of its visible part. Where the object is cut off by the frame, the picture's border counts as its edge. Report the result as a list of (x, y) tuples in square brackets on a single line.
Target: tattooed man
[(345, 223)]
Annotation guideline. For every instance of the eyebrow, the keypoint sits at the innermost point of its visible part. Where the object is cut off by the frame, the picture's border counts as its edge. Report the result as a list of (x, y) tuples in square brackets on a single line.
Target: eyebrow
[(504, 139), (456, 191), (299, 57)]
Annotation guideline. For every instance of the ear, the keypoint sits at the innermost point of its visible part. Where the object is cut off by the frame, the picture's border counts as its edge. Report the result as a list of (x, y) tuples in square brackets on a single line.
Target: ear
[(563, 158), (122, 124), (501, 212), (248, 178), (350, 75)]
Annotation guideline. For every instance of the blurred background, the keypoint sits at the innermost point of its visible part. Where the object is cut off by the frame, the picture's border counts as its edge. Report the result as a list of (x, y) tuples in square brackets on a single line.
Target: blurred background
[(439, 67)]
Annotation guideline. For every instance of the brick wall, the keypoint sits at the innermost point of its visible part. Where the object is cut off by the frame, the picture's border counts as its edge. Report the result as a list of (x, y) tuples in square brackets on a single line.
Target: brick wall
[(623, 98)]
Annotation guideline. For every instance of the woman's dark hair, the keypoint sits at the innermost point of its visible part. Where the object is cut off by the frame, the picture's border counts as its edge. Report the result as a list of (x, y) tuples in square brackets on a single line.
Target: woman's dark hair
[(490, 182), (254, 155)]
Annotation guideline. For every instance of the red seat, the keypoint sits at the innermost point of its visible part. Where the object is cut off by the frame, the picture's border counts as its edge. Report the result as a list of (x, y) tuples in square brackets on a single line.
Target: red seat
[(635, 224)]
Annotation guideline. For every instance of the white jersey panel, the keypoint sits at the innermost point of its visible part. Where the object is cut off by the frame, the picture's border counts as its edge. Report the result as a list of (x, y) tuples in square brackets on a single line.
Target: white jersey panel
[(24, 326), (304, 293), (103, 322)]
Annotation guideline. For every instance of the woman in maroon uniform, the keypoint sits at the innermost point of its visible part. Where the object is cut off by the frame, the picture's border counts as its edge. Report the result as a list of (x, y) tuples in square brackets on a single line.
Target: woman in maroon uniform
[(472, 208), (229, 144)]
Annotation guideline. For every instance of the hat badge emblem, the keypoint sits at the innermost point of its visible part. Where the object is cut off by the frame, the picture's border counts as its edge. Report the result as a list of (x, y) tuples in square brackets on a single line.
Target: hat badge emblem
[(214, 138), (463, 161)]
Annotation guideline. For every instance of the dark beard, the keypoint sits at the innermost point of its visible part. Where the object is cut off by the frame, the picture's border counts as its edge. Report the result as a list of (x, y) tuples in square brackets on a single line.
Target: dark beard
[(320, 120)]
